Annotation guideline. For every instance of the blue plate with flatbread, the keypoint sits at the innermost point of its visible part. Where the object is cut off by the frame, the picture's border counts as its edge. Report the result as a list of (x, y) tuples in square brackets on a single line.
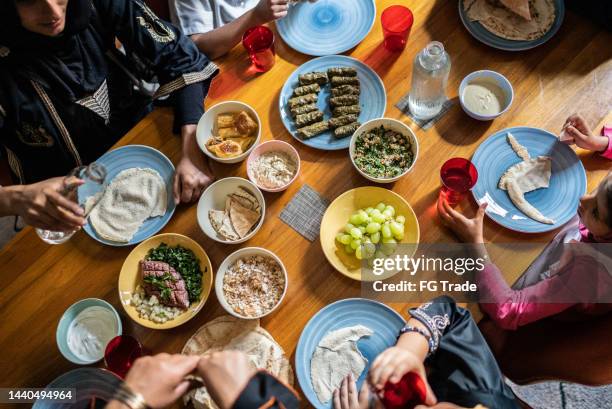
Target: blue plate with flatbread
[(558, 202), (373, 99), (135, 156), (382, 320), (327, 27)]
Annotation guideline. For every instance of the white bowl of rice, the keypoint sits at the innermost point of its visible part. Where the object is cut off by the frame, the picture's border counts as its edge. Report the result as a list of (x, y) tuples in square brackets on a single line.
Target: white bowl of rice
[(273, 166)]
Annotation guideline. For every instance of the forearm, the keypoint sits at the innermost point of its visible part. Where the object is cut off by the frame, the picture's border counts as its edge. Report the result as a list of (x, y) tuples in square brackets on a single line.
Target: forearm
[(8, 197), (115, 404), (413, 341), (189, 143), (220, 41)]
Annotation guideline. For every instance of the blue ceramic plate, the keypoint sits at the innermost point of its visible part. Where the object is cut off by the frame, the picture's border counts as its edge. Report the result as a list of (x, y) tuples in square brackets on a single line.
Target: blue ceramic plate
[(90, 385), (136, 156), (485, 36), (558, 202), (327, 27), (373, 98), (381, 319)]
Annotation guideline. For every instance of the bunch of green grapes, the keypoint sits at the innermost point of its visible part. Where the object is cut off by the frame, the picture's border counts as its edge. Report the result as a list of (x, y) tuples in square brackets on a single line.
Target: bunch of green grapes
[(372, 232)]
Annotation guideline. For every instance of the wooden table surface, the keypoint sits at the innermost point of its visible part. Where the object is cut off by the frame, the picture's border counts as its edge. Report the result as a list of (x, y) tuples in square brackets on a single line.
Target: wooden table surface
[(571, 73)]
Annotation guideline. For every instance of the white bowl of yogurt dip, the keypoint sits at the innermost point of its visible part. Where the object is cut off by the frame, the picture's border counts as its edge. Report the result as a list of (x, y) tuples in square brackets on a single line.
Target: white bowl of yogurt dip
[(85, 329), (484, 95)]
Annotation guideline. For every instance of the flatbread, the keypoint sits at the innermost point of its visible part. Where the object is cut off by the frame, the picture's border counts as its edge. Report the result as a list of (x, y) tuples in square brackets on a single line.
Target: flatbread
[(242, 211), (243, 219), (504, 23), (246, 199), (220, 221), (517, 197), (520, 7), (335, 357), (133, 196), (230, 333)]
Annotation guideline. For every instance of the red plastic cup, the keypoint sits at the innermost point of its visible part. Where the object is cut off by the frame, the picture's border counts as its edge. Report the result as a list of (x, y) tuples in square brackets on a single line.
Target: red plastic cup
[(120, 354), (259, 43), (396, 23), (458, 176), (409, 392)]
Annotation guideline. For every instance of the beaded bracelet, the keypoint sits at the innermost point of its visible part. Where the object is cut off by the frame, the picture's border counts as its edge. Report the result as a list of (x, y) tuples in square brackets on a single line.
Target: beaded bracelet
[(130, 398), (430, 341)]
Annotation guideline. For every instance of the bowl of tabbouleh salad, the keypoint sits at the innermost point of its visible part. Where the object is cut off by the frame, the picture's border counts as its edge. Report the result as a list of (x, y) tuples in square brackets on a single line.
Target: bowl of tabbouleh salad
[(383, 150)]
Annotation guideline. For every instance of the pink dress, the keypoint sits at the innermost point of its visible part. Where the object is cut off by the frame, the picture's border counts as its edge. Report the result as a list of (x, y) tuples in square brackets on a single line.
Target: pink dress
[(549, 286)]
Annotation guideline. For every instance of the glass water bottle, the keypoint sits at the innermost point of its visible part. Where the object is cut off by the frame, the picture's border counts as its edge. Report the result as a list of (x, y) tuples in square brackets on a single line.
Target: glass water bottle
[(429, 77), (93, 177)]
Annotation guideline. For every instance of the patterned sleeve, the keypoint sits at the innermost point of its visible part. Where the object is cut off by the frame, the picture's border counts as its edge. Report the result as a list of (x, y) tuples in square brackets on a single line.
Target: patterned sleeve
[(438, 316), (264, 391)]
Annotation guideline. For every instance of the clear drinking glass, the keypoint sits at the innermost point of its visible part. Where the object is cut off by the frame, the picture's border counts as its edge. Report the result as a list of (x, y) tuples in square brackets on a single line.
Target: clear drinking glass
[(429, 77), (94, 176)]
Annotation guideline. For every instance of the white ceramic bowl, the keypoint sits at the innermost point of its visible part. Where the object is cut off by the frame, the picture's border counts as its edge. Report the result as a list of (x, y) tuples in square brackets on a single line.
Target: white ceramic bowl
[(394, 125), (207, 124), (214, 198), (229, 260), (497, 79), (273, 146)]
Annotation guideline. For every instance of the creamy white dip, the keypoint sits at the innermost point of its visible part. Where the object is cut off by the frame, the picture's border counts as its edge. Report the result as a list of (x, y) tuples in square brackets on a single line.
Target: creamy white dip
[(90, 332), (484, 97), (273, 169)]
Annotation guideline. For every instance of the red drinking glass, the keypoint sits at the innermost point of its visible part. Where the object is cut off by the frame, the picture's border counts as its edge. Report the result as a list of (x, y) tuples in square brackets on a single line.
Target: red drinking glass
[(259, 43), (120, 354), (458, 176), (396, 23), (409, 392)]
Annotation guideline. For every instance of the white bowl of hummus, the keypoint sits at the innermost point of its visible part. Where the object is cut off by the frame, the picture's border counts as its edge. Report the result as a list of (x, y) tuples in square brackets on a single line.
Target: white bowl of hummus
[(485, 95)]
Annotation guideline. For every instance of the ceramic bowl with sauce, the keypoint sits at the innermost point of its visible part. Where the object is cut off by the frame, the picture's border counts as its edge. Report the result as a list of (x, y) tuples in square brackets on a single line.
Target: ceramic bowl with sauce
[(484, 95)]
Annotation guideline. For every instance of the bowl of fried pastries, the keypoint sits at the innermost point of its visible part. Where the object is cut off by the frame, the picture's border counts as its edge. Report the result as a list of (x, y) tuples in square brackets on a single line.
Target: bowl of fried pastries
[(229, 131)]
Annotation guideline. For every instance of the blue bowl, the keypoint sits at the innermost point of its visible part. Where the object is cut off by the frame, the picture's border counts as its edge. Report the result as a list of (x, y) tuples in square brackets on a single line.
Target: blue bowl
[(496, 78), (61, 335)]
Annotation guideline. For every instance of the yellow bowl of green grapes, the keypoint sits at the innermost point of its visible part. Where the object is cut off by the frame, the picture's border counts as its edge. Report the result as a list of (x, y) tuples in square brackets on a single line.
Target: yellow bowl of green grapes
[(365, 224)]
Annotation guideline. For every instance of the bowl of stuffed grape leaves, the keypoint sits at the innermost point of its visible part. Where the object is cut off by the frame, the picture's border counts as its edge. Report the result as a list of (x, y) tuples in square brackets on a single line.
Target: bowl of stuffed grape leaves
[(383, 150)]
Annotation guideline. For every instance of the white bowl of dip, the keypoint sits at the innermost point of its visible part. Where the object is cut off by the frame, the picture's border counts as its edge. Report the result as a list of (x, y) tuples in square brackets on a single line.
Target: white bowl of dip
[(273, 166), (85, 329), (484, 95)]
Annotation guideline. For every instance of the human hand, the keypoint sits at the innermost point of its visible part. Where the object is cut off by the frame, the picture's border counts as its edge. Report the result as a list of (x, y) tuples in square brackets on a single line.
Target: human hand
[(393, 364), (225, 375), (160, 379), (576, 131), (468, 230), (346, 396), (192, 173), (270, 10), (44, 206)]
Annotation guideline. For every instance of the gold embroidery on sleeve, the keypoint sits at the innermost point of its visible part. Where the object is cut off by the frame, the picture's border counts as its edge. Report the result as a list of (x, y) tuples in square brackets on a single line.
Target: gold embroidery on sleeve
[(153, 24)]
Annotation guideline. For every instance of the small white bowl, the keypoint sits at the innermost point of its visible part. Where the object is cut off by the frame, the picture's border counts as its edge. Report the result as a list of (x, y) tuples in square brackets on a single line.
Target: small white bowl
[(207, 124), (229, 260), (394, 125), (273, 146), (497, 79), (214, 197)]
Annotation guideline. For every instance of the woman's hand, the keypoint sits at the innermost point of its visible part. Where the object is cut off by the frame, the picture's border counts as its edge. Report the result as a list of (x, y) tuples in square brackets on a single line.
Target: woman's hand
[(576, 131), (346, 397), (192, 174), (270, 10), (160, 379), (468, 230), (43, 205), (225, 375)]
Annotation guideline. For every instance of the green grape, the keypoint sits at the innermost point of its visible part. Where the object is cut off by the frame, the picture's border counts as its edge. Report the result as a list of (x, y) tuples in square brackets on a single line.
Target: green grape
[(386, 232), (387, 214), (368, 250), (345, 238), (378, 218), (396, 228), (358, 253), (371, 262), (400, 236), (348, 227), (400, 219), (367, 220), (362, 229), (369, 210), (379, 254), (349, 249), (355, 243), (388, 248), (367, 239), (339, 236), (355, 219), (375, 237), (373, 228), (356, 233), (381, 206), (390, 209), (389, 240)]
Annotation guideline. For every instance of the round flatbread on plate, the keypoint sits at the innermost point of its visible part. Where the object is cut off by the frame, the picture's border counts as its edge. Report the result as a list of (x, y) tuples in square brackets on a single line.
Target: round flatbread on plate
[(559, 201), (135, 156), (327, 27), (382, 320), (373, 98), (484, 35)]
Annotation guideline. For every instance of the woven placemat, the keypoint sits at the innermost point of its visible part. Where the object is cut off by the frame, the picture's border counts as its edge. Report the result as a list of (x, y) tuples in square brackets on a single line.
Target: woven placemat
[(424, 124), (304, 212)]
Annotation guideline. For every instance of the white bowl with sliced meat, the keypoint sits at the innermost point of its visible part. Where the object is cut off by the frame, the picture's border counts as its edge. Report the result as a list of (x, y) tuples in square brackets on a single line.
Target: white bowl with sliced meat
[(231, 210)]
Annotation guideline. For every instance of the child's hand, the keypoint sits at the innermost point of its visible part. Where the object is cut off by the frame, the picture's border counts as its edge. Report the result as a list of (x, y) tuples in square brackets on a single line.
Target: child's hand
[(270, 10), (468, 230), (346, 397), (576, 131)]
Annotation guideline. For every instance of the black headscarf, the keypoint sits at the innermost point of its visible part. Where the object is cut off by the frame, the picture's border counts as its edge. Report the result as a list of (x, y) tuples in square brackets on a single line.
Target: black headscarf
[(71, 63)]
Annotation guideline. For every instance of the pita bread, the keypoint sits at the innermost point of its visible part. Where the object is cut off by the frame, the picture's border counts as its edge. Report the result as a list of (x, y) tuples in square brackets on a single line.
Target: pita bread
[(230, 333), (242, 212), (246, 199), (335, 357), (243, 219), (518, 198), (220, 221), (520, 7), (504, 23), (133, 196)]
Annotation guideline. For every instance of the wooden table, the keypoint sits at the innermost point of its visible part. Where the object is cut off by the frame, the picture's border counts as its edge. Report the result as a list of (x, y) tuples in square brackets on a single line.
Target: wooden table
[(572, 72)]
